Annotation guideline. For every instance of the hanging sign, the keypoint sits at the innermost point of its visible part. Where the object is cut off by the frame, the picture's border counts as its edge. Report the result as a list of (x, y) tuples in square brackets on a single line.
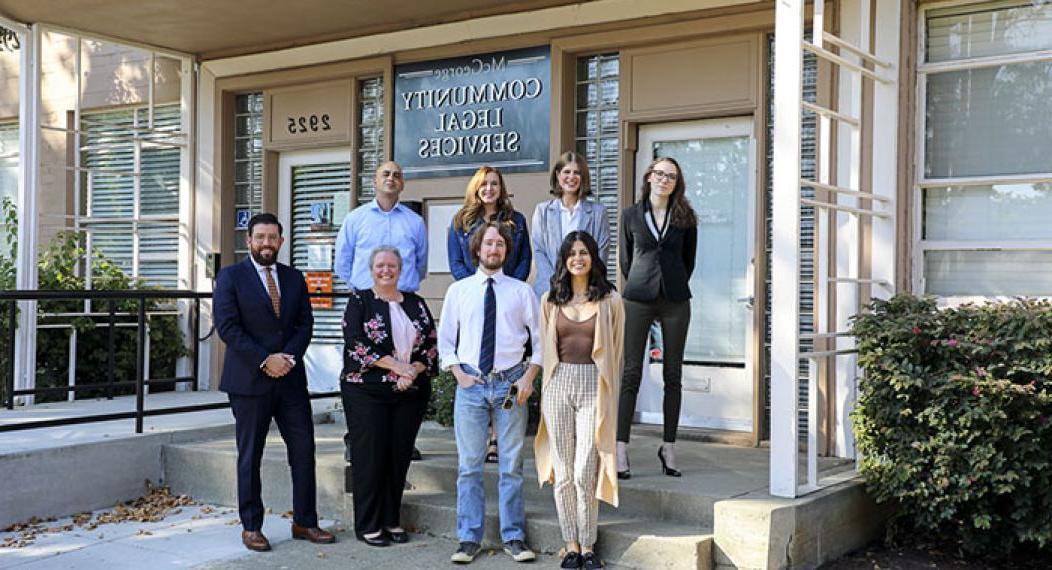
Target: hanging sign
[(319, 282), (453, 115)]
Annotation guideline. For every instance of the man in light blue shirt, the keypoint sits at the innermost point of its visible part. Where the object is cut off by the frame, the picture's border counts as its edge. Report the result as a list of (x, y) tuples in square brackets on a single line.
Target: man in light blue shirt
[(384, 221)]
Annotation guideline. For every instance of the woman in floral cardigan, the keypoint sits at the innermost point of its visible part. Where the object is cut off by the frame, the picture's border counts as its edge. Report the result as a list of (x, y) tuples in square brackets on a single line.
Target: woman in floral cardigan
[(388, 361)]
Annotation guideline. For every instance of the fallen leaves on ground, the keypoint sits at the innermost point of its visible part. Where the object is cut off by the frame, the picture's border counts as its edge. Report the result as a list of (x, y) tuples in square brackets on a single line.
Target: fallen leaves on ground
[(154, 506)]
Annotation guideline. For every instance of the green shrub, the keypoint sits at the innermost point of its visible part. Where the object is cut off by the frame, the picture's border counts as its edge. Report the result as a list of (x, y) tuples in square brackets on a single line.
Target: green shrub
[(58, 270), (444, 389), (952, 420)]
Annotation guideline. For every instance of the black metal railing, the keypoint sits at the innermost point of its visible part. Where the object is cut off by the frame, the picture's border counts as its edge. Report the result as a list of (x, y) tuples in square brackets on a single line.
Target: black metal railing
[(141, 298)]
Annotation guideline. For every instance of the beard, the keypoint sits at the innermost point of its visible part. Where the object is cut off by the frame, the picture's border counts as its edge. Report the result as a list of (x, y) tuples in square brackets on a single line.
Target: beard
[(265, 256), (492, 263)]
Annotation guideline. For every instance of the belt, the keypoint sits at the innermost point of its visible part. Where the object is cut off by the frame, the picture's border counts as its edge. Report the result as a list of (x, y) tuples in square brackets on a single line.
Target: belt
[(504, 374)]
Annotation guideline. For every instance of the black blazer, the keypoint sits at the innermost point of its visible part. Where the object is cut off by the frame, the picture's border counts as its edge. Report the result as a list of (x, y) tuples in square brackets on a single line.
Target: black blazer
[(367, 338), (246, 322), (651, 267)]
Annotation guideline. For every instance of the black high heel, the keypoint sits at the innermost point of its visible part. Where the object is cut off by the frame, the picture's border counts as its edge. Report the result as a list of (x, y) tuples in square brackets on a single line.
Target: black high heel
[(627, 473), (665, 468)]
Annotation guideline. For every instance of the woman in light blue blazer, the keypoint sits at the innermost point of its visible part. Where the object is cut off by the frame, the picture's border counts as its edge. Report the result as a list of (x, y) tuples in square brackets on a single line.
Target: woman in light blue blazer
[(568, 211)]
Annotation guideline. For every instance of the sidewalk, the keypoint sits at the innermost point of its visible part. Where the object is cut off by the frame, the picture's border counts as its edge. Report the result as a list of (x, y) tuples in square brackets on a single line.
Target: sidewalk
[(423, 552), (189, 536), (203, 536)]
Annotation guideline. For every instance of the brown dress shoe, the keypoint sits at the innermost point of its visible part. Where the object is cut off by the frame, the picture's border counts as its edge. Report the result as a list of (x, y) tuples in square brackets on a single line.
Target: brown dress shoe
[(254, 540), (315, 535)]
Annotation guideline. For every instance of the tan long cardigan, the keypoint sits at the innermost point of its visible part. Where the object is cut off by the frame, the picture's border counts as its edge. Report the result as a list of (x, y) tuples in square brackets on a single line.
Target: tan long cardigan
[(608, 355)]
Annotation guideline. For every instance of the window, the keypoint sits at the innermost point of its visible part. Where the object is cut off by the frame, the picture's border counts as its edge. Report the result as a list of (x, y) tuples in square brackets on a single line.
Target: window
[(9, 160), (8, 173), (248, 162), (131, 192), (596, 115), (370, 136), (985, 184)]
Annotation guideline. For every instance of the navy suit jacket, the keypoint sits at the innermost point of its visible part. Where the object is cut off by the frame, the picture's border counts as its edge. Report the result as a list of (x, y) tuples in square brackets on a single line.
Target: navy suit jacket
[(246, 322)]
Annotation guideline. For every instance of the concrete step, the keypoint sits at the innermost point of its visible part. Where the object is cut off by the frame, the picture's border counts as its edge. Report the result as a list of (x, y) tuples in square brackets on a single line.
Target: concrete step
[(654, 528), (648, 495), (207, 471), (624, 541)]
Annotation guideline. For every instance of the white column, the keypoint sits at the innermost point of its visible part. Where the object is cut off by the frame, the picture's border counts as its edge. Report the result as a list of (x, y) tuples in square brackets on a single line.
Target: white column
[(206, 197), (785, 254), (854, 28), (885, 144), (185, 251), (28, 226)]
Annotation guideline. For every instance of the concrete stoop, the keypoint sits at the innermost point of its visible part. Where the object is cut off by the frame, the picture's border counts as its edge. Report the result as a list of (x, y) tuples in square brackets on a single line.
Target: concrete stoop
[(757, 531), (697, 523)]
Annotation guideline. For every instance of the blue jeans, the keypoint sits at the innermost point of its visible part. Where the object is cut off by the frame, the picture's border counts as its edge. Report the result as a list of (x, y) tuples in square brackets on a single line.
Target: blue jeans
[(471, 412)]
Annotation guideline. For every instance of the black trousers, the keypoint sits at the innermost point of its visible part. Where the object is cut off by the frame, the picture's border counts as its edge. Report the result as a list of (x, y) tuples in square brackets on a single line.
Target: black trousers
[(290, 408), (382, 425), (675, 320)]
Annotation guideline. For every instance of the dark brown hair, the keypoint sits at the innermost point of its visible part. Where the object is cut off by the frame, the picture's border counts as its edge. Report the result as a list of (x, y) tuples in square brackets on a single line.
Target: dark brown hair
[(475, 245), (598, 284), (681, 215), (571, 157)]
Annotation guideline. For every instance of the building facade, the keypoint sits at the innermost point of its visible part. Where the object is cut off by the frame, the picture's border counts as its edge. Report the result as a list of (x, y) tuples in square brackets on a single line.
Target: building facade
[(932, 154)]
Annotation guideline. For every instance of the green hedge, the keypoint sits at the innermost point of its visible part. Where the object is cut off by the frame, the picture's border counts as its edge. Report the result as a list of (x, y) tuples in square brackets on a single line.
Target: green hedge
[(444, 388), (57, 268), (953, 423)]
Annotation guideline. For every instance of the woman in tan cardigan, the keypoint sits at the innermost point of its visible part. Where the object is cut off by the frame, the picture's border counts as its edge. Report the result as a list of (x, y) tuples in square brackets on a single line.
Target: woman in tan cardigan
[(582, 335)]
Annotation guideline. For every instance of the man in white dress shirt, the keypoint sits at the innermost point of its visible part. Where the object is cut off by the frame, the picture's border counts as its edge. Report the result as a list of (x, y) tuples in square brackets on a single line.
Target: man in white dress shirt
[(487, 319)]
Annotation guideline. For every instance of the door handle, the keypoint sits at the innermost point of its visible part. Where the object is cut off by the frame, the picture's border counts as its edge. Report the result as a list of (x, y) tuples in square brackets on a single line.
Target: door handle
[(749, 301)]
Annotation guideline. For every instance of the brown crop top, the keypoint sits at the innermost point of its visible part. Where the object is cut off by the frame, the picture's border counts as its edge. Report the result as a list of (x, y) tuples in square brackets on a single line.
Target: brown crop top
[(575, 339)]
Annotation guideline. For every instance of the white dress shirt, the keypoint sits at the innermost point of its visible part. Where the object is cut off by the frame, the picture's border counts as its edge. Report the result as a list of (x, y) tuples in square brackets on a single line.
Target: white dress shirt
[(463, 313), (261, 272), (570, 217)]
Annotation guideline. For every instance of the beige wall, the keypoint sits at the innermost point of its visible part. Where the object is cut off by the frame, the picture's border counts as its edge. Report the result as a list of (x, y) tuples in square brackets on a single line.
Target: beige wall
[(111, 77)]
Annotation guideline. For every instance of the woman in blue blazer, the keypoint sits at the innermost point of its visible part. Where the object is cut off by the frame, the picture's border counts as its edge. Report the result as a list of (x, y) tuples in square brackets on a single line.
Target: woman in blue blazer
[(568, 211), (485, 199)]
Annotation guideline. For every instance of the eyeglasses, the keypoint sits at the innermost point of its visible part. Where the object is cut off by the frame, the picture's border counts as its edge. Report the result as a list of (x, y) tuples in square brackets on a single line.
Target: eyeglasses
[(671, 176), (509, 400), (396, 174)]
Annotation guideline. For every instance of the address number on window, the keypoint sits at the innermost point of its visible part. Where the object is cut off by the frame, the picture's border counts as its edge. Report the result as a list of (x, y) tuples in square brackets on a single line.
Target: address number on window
[(308, 124)]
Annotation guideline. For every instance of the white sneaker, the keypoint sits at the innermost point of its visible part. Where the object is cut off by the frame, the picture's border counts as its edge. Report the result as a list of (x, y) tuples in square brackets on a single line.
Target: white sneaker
[(518, 551)]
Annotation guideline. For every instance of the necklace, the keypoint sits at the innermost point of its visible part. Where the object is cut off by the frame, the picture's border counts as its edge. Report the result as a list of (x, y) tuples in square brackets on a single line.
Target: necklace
[(396, 298)]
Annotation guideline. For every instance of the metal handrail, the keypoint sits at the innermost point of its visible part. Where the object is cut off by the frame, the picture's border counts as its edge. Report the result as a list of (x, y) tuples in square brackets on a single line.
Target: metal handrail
[(141, 382)]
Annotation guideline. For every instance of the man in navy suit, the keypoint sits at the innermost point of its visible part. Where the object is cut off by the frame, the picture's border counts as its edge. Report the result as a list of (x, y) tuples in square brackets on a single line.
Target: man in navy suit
[(263, 315)]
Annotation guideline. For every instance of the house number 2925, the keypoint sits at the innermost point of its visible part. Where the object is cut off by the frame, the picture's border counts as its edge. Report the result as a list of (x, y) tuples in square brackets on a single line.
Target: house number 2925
[(308, 124)]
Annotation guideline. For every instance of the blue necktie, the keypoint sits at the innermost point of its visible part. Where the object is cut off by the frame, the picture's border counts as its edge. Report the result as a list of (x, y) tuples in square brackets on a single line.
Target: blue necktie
[(489, 329)]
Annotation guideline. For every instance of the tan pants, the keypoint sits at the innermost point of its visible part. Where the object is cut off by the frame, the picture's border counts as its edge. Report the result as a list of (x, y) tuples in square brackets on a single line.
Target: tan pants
[(569, 408)]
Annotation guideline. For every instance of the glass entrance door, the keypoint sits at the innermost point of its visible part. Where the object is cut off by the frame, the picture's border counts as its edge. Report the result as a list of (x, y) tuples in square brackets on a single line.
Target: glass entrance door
[(718, 162), (313, 199)]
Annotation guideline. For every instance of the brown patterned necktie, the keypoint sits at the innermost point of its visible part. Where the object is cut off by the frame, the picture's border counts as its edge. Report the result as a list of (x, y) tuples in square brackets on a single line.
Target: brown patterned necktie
[(272, 288)]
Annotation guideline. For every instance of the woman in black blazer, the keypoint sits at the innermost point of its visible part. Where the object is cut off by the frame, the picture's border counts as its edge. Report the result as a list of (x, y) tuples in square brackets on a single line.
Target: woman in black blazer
[(659, 238), (391, 353)]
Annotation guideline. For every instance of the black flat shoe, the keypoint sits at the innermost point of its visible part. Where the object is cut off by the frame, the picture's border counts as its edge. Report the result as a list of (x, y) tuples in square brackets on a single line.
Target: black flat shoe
[(591, 562), (572, 560), (665, 468), (397, 537), (626, 474), (380, 540)]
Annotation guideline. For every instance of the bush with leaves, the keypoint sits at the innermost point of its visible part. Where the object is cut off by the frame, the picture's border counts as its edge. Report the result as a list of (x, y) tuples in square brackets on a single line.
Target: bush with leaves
[(444, 389), (58, 269), (952, 421)]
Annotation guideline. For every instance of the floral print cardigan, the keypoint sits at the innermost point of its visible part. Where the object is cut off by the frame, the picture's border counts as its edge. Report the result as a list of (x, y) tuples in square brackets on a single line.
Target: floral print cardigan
[(367, 338)]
